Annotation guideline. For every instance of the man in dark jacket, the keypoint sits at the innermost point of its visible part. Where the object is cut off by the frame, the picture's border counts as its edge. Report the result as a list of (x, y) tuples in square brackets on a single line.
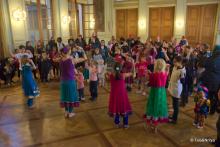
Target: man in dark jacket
[(104, 50), (217, 141), (211, 76)]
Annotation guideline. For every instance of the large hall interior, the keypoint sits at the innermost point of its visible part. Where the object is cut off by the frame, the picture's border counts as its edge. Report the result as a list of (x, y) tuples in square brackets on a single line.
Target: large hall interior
[(109, 73)]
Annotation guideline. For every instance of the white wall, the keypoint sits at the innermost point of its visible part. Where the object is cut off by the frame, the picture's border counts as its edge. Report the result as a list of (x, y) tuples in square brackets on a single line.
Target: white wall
[(19, 28), (143, 21)]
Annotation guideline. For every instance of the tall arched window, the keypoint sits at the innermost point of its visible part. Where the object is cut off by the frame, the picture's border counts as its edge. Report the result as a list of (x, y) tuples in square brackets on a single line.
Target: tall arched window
[(39, 19)]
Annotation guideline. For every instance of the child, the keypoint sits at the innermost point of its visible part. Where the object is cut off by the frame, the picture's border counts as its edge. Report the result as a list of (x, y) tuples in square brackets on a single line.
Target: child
[(99, 59), (80, 83), (201, 106), (7, 72), (93, 83), (128, 67), (86, 71), (44, 67), (175, 86), (55, 65), (207, 49), (156, 108), (101, 74), (29, 85), (69, 93), (141, 68), (119, 104)]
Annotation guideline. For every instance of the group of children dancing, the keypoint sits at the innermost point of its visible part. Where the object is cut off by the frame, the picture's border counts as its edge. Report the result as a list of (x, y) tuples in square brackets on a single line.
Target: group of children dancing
[(157, 65)]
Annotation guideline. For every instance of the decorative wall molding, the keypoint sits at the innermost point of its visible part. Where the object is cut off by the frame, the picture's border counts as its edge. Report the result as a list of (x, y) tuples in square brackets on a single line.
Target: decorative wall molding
[(199, 2)]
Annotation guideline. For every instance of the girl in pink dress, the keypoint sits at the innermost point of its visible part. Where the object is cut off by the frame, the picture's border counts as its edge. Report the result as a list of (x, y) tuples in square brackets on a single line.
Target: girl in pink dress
[(119, 104), (141, 68)]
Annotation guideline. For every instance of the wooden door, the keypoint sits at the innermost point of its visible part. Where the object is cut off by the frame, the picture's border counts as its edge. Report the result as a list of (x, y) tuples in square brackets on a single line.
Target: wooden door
[(161, 21), (208, 21), (200, 23), (132, 22), (126, 22), (154, 23), (193, 23), (120, 23), (167, 23)]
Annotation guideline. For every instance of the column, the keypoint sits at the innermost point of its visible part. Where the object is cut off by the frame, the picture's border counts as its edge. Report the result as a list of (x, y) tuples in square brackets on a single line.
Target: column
[(108, 10), (180, 18), (60, 15), (64, 25), (74, 19), (6, 32), (143, 16), (56, 18)]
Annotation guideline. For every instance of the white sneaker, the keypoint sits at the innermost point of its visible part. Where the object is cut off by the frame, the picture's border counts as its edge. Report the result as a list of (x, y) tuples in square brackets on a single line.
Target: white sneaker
[(126, 126), (199, 127), (71, 114), (117, 126), (195, 124), (83, 99)]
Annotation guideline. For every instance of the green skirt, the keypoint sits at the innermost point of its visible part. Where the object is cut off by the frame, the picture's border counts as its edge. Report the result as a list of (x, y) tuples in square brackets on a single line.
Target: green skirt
[(86, 74), (156, 107), (69, 94)]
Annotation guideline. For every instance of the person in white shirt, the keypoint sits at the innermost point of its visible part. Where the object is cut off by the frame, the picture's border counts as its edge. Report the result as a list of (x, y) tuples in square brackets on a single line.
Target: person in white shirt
[(175, 86)]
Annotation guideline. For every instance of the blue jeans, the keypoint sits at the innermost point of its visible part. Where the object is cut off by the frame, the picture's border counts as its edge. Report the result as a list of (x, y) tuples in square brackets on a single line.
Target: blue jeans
[(125, 119)]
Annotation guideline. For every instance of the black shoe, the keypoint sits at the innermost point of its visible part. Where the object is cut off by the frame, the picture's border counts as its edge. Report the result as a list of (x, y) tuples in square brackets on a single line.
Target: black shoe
[(128, 89), (211, 113)]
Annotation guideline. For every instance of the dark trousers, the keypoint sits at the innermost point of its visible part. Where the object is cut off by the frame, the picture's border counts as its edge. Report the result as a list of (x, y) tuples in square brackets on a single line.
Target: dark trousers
[(218, 132), (81, 93), (213, 100), (30, 102), (184, 95), (44, 76), (8, 78), (19, 73), (125, 119), (175, 108), (93, 87), (56, 70)]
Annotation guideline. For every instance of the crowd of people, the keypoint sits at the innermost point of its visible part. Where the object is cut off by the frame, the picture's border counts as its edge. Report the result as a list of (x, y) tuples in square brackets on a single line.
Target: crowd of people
[(162, 66)]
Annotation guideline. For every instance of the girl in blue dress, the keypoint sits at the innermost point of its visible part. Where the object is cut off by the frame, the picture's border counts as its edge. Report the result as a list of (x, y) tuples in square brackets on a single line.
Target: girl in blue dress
[(29, 85)]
